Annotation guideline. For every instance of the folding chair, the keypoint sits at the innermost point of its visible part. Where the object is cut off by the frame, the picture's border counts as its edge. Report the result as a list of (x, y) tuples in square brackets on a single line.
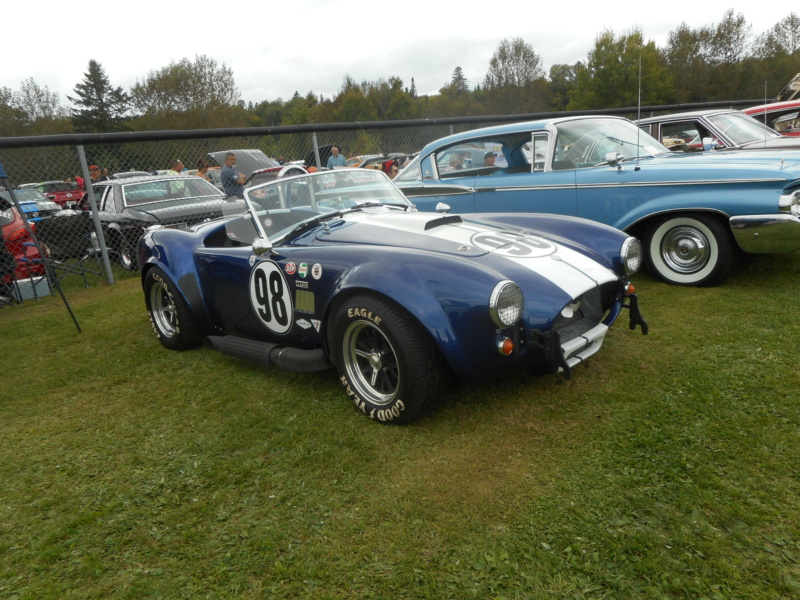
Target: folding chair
[(70, 245), (9, 293)]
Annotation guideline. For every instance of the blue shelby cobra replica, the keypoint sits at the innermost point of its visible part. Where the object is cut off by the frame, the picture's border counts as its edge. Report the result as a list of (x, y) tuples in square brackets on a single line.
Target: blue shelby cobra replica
[(692, 211), (338, 268)]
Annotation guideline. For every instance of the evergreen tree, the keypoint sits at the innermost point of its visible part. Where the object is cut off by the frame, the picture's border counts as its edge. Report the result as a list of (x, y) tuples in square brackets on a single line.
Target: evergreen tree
[(100, 107), (459, 82)]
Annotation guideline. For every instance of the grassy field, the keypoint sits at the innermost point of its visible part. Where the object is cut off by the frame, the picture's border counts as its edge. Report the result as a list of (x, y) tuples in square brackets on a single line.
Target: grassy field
[(668, 467)]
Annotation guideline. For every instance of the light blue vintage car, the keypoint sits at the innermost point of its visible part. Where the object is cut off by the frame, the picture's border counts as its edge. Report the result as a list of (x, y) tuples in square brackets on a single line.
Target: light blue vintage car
[(693, 212)]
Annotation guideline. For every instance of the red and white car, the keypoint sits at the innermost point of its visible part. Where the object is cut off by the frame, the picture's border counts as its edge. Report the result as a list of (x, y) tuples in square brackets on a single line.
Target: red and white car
[(783, 117), (64, 193)]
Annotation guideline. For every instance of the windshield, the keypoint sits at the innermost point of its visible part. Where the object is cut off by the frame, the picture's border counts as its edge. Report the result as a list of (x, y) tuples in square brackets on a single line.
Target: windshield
[(741, 128), (24, 196), (158, 190), (585, 142), (286, 204)]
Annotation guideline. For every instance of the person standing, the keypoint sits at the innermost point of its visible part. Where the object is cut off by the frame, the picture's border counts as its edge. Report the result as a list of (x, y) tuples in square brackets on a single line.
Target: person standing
[(202, 169), (391, 168), (177, 167), (232, 181), (336, 159)]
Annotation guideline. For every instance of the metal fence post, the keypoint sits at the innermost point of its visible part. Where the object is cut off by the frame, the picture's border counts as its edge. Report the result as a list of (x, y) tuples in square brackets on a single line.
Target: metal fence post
[(316, 148), (98, 229)]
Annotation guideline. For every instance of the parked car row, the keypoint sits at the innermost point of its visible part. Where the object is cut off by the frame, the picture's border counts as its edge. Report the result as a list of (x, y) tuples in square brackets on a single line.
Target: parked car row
[(497, 250)]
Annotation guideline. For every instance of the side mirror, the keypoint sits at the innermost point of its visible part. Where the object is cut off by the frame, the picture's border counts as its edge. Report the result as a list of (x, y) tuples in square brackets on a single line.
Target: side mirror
[(261, 246), (613, 158), (708, 143), (442, 207)]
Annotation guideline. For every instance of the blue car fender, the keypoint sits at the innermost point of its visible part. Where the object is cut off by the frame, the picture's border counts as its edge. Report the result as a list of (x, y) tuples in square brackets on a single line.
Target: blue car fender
[(447, 295)]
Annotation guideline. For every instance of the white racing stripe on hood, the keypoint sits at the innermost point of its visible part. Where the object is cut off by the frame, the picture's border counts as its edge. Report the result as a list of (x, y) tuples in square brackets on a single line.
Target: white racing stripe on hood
[(572, 271)]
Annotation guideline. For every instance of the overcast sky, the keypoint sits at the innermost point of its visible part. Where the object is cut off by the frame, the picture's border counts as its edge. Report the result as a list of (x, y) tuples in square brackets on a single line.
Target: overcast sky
[(275, 49)]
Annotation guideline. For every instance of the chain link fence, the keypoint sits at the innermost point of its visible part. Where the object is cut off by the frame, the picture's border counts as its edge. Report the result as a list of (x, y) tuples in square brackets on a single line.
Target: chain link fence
[(88, 198)]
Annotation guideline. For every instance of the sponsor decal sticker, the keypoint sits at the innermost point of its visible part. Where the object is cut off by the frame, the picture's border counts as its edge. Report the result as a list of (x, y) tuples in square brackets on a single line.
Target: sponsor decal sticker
[(301, 284), (303, 323), (291, 268), (316, 271), (252, 260), (316, 323), (303, 269)]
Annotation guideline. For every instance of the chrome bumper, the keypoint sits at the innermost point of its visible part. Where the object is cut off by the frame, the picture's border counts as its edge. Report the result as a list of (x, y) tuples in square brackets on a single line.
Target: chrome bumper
[(583, 346), (767, 234)]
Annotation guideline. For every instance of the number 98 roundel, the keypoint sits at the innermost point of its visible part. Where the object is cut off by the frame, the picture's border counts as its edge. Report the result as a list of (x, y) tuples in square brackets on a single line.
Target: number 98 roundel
[(270, 297)]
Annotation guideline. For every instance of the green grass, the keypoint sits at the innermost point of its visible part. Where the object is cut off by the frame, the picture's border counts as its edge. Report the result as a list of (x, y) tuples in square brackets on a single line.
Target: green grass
[(667, 467)]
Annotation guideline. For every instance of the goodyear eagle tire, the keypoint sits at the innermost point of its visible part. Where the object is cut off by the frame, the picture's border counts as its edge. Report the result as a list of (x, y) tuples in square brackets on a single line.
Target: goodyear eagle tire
[(389, 366), (693, 250), (173, 321)]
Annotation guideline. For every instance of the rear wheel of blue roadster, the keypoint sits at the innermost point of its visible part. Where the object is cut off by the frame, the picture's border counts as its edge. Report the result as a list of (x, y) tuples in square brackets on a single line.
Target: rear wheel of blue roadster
[(172, 319), (389, 366), (693, 250)]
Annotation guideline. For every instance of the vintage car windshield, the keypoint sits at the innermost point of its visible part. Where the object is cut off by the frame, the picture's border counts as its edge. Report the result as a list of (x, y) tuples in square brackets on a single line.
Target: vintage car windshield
[(286, 204), (23, 196), (146, 192), (585, 142), (742, 129)]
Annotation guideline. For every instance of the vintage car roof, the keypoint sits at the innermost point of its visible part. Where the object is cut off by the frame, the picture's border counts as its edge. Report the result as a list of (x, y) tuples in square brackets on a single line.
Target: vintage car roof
[(689, 114), (539, 125), (772, 107)]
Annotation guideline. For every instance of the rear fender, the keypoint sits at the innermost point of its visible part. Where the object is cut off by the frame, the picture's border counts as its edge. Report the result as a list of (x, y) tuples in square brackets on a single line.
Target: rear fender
[(177, 261)]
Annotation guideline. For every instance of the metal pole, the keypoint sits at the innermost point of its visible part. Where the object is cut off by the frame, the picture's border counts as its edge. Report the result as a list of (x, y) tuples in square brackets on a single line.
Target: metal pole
[(316, 148), (48, 271), (98, 229)]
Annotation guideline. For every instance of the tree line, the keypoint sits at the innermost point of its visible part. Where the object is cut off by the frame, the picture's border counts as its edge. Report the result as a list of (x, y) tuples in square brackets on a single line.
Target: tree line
[(722, 61)]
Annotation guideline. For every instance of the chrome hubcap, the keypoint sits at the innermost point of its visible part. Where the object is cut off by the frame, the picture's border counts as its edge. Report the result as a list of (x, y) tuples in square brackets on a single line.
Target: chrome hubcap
[(371, 363), (685, 250), (163, 310)]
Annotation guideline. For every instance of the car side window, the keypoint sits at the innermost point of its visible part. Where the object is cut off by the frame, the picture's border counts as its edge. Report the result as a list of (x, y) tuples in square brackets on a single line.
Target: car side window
[(786, 123), (684, 134), (478, 157)]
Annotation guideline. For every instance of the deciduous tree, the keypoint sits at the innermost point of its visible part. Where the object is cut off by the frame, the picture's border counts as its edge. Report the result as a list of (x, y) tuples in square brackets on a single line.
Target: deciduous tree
[(514, 63), (189, 94), (618, 71)]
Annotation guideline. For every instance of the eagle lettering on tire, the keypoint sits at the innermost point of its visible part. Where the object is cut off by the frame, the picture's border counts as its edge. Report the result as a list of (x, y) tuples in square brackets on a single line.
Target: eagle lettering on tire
[(390, 368)]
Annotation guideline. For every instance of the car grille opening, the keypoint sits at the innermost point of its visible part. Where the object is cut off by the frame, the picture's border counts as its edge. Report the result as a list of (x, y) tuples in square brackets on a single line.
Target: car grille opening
[(585, 312)]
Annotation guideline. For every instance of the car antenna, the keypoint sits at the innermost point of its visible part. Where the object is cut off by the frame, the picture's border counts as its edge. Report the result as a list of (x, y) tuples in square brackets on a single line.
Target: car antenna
[(638, 114), (765, 113)]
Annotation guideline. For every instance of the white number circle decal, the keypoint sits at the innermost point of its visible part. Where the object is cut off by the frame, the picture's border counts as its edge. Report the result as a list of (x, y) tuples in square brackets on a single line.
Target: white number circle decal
[(512, 245), (270, 297)]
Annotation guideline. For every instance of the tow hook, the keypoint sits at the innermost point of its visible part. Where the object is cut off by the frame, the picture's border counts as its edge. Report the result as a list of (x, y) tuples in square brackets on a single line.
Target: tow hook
[(635, 314)]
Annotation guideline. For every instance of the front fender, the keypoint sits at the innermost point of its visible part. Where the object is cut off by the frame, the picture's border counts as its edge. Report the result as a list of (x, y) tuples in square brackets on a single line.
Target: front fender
[(600, 242), (448, 296)]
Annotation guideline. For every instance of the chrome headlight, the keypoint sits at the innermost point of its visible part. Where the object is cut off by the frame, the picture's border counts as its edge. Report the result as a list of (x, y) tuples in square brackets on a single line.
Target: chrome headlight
[(506, 303), (790, 203), (632, 255)]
